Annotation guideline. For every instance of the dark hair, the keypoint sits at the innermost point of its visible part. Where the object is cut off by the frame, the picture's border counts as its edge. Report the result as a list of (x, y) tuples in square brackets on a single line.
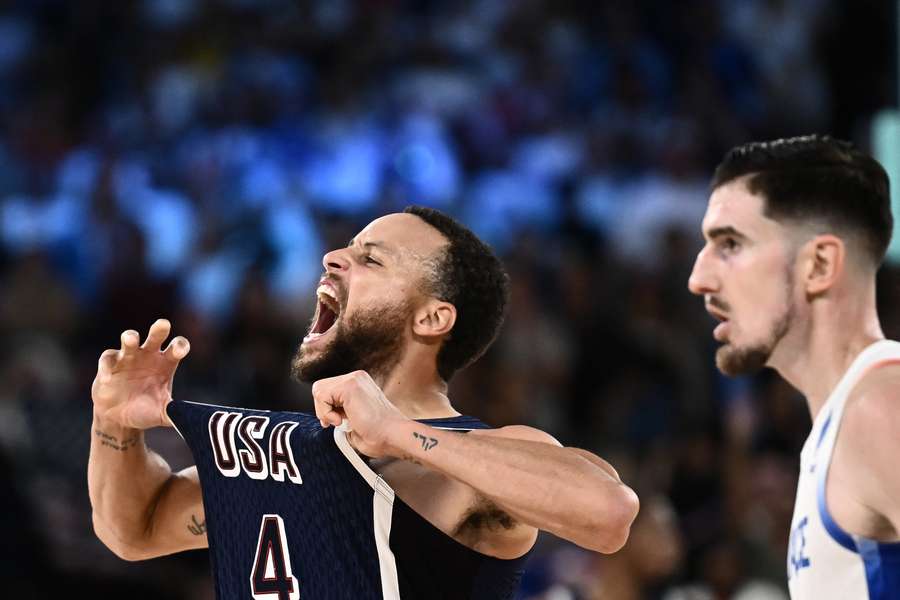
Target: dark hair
[(468, 275), (813, 178)]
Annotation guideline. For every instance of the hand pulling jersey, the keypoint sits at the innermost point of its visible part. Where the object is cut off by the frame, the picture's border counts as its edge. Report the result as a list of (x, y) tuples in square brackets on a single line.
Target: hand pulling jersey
[(824, 561), (293, 512)]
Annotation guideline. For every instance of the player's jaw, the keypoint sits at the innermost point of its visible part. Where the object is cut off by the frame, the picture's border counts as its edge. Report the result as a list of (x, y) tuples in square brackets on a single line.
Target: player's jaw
[(745, 350)]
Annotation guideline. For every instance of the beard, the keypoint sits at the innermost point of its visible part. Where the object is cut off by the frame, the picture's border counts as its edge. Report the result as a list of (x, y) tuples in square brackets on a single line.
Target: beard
[(734, 360), (370, 340)]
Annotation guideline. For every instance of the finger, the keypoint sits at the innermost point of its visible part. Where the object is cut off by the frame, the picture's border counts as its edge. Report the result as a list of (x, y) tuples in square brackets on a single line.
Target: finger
[(334, 417), (159, 331), (107, 360), (325, 410), (130, 339), (178, 348), (321, 410)]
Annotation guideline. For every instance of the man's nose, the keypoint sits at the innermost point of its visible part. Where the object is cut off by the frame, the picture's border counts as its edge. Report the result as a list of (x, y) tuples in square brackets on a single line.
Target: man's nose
[(336, 261), (702, 280)]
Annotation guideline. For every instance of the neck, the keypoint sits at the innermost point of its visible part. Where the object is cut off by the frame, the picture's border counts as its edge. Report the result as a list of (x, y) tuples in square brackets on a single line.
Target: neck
[(816, 358), (416, 390)]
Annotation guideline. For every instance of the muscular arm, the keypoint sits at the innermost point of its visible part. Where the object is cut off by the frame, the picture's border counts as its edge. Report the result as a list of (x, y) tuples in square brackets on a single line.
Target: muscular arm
[(869, 444), (527, 474), (141, 509)]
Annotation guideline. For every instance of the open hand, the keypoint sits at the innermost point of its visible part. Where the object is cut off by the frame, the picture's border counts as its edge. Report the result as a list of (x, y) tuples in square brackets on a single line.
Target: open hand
[(134, 383)]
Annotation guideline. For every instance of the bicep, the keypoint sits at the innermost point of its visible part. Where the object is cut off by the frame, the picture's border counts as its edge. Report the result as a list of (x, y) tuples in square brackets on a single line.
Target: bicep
[(869, 442), (882, 488), (178, 521)]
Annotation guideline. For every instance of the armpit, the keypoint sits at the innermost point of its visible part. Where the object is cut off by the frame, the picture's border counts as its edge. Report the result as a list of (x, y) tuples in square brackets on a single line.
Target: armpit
[(484, 515)]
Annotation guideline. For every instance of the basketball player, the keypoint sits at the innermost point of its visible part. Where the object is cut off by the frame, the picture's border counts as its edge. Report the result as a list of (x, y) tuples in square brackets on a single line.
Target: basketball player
[(387, 492), (795, 231)]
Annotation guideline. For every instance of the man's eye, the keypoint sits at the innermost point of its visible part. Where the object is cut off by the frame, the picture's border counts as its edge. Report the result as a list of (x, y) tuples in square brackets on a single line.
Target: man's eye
[(370, 260), (729, 244)]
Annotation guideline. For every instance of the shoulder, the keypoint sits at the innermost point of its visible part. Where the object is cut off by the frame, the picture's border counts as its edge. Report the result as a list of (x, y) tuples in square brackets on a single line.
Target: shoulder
[(874, 404), (518, 432), (872, 418), (868, 443)]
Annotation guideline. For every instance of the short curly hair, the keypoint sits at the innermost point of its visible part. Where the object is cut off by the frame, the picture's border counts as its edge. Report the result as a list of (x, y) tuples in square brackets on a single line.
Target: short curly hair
[(467, 274)]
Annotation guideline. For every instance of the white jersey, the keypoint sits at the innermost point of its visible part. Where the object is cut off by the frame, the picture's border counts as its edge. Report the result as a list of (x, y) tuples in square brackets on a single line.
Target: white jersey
[(824, 561)]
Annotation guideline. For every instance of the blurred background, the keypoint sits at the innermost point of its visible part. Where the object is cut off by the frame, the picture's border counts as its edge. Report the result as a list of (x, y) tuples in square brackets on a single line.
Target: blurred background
[(193, 159)]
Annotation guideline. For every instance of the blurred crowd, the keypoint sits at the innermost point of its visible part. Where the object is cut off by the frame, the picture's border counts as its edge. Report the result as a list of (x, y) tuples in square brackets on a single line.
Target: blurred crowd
[(193, 159)]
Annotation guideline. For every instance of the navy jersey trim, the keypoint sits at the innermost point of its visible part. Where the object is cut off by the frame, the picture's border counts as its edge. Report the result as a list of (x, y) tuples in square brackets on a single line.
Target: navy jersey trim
[(461, 422)]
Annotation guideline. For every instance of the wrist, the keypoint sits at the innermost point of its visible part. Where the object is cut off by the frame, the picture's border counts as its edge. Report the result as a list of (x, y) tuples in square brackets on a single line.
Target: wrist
[(109, 434), (112, 427), (397, 437)]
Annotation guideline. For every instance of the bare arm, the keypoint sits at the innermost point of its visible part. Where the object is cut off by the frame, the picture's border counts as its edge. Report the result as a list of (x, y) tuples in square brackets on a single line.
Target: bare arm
[(525, 472), (869, 443), (141, 509)]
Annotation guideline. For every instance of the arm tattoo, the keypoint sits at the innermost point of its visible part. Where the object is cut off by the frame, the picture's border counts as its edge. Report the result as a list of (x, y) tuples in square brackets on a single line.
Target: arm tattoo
[(427, 442), (196, 527), (113, 442)]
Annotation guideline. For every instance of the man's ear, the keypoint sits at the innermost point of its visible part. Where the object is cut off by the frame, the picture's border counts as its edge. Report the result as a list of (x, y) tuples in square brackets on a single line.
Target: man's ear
[(825, 257), (434, 319)]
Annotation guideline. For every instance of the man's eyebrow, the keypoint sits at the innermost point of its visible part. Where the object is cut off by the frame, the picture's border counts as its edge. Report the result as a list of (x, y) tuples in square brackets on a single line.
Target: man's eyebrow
[(377, 245), (716, 232)]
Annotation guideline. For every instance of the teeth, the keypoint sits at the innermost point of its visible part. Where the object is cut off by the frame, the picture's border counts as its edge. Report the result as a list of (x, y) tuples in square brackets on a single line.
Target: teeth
[(312, 336), (327, 296)]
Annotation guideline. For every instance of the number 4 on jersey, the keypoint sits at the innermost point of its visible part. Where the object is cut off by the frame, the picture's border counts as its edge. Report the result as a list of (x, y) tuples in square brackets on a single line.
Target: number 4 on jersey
[(272, 577)]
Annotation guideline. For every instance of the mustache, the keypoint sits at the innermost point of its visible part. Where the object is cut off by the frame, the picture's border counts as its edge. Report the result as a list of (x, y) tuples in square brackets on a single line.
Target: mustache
[(719, 304)]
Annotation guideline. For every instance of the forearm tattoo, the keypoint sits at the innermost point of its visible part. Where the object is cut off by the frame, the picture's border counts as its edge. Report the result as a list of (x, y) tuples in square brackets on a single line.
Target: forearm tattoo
[(427, 442), (113, 442), (197, 527)]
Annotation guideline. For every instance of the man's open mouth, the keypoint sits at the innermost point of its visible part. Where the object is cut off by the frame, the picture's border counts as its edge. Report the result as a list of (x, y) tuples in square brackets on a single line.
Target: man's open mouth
[(328, 311)]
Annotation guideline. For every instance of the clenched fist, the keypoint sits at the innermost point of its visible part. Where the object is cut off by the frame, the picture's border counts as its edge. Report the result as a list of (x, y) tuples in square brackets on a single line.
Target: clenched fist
[(358, 399), (134, 383)]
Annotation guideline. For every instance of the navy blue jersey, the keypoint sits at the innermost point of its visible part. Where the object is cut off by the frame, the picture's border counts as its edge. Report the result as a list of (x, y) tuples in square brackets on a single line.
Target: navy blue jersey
[(292, 511)]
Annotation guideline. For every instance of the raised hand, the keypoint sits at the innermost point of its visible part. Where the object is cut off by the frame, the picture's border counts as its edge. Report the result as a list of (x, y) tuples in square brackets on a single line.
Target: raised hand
[(134, 383), (358, 399)]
